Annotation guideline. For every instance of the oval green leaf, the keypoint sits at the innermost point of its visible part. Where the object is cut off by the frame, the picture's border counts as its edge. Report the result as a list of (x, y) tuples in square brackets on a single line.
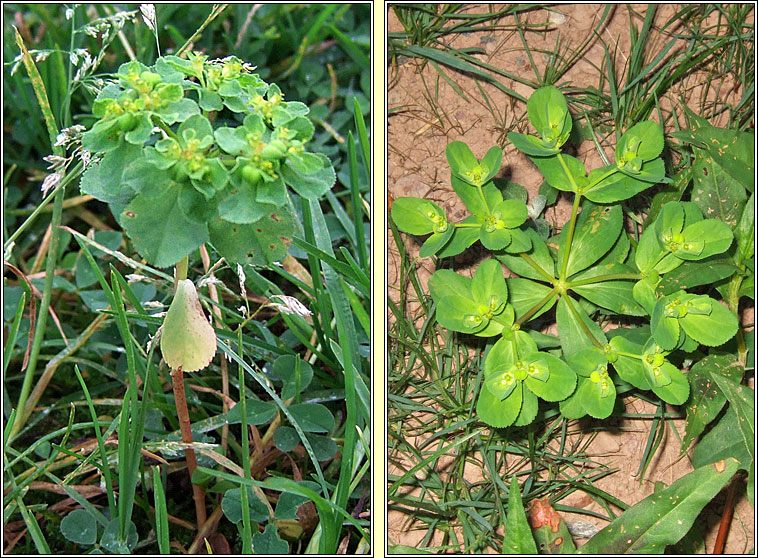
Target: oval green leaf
[(187, 338), (499, 413), (559, 385)]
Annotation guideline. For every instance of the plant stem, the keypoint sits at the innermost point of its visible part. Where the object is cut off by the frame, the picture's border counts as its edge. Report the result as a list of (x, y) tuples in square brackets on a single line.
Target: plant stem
[(163, 126), (177, 379), (216, 310), (600, 179), (536, 267), (39, 332), (43, 204), (733, 302), (201, 535), (52, 254), (484, 200), (182, 412), (536, 307), (215, 12), (568, 172), (726, 518), (245, 443), (180, 271), (584, 326), (600, 278), (570, 236)]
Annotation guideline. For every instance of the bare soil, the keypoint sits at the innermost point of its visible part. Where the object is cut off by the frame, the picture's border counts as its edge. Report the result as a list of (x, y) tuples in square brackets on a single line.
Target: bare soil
[(429, 114)]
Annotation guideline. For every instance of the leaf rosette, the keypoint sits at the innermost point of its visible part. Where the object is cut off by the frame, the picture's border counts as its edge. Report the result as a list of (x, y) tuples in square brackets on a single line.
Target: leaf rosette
[(682, 315), (596, 391), (478, 305), (513, 383), (465, 165)]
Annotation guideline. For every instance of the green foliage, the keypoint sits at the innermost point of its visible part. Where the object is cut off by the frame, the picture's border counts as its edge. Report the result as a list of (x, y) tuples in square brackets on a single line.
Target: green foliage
[(79, 527), (657, 287), (188, 340), (113, 542), (518, 537), (167, 205), (232, 506), (269, 542), (199, 176), (622, 281), (665, 516), (435, 372)]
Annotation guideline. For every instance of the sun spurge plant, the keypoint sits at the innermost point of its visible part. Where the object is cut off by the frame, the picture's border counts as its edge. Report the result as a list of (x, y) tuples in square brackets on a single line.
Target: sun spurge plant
[(194, 151), (593, 270)]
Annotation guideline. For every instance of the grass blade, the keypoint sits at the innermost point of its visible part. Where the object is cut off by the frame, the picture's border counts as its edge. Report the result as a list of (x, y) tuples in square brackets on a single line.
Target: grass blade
[(100, 444), (456, 63), (360, 126), (52, 252), (161, 513), (349, 343), (41, 92), (10, 341), (31, 523), (356, 201)]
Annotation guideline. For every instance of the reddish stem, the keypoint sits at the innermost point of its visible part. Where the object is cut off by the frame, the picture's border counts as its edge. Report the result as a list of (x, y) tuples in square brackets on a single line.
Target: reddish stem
[(177, 378), (726, 518)]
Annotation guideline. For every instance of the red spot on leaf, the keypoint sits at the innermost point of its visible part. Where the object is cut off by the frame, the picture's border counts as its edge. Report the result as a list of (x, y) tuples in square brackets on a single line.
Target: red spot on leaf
[(542, 513), (271, 246), (234, 229), (130, 214), (275, 217), (259, 230), (284, 238)]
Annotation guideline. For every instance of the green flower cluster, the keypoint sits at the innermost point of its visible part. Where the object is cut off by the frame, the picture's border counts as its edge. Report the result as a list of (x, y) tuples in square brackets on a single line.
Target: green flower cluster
[(198, 151)]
